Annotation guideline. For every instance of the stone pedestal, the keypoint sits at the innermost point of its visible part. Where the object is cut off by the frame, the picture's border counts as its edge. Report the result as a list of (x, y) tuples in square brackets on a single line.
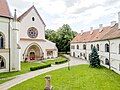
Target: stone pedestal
[(48, 83)]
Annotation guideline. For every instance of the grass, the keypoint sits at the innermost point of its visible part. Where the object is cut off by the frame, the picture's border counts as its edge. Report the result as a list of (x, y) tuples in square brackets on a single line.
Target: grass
[(25, 68), (80, 77)]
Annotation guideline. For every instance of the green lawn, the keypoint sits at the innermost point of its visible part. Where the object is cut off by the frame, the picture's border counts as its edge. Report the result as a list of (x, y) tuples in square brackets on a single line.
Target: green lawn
[(80, 77), (25, 67)]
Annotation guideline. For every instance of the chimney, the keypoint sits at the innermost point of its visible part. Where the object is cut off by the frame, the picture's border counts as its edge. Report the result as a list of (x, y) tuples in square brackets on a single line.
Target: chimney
[(118, 20), (91, 30), (81, 32), (100, 27), (113, 23)]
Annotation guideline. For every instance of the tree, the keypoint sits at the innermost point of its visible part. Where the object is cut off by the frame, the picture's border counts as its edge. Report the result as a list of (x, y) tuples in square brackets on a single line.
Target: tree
[(94, 58), (65, 34), (62, 37)]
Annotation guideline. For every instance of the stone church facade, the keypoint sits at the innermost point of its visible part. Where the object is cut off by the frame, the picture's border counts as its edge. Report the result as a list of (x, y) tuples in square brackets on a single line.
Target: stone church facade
[(105, 39), (22, 38)]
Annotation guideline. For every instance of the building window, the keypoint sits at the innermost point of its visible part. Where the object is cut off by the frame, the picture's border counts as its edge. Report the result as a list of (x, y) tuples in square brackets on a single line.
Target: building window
[(80, 54), (84, 55), (1, 41), (33, 19), (84, 47), (32, 32), (98, 47), (2, 62), (77, 46), (73, 54), (107, 62), (91, 46), (49, 53), (119, 48), (106, 47), (72, 47)]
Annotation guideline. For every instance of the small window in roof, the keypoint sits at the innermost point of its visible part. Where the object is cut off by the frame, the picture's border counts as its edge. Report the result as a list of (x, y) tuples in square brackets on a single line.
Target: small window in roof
[(33, 19)]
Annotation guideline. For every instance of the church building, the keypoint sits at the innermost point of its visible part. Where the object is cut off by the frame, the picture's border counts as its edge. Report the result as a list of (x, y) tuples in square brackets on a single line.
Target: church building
[(22, 38)]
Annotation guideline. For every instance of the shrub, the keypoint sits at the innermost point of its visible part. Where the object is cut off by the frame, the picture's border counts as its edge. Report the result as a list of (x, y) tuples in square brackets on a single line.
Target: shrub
[(40, 67), (59, 62), (94, 58)]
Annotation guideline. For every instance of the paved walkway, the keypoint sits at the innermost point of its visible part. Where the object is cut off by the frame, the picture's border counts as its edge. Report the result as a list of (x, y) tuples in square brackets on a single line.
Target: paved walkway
[(24, 77)]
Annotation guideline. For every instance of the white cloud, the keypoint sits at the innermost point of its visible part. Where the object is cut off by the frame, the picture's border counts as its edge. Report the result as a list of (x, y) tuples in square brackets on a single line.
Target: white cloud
[(82, 12)]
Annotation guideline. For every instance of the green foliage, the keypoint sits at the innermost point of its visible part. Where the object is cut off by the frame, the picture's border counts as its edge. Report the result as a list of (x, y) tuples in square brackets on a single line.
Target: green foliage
[(60, 62), (80, 77), (94, 58), (39, 67), (62, 37)]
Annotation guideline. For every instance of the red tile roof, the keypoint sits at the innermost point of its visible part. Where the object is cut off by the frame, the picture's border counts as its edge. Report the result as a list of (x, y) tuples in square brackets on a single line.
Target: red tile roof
[(107, 33), (25, 13), (4, 9)]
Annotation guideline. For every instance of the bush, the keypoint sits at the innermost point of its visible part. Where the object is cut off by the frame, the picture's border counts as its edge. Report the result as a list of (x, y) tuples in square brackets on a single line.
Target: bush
[(40, 67), (59, 62)]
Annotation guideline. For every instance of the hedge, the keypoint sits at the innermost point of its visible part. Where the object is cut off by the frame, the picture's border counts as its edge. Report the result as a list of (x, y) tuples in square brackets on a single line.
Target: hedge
[(59, 62), (40, 67)]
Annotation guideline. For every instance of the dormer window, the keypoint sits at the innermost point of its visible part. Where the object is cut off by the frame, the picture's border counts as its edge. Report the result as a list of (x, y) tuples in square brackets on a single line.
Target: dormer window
[(33, 19)]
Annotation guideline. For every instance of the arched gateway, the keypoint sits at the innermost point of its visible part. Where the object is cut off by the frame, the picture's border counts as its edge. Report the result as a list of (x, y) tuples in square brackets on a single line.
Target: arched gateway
[(33, 52)]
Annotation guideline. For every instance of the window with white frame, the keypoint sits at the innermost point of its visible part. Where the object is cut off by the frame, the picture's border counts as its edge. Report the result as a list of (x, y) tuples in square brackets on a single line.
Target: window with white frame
[(98, 47), (77, 46), (84, 47), (107, 48)]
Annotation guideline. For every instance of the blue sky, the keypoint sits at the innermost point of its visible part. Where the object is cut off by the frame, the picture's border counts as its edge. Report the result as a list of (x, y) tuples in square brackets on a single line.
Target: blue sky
[(79, 14)]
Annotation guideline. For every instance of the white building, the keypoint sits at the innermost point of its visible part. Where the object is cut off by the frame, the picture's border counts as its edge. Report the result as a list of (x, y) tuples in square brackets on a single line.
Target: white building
[(22, 38), (105, 39)]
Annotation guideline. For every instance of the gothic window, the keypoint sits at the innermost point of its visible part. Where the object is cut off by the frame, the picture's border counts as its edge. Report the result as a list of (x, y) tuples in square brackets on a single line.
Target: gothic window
[(77, 46), (106, 47), (84, 47), (91, 46), (98, 47), (32, 32), (2, 62), (1, 41)]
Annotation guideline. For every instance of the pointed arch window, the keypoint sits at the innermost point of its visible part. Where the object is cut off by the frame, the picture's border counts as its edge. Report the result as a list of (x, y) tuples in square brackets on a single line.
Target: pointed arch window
[(1, 41), (107, 48)]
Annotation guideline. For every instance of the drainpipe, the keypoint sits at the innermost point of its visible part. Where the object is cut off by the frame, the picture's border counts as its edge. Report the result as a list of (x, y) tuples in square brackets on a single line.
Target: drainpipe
[(9, 43), (109, 54)]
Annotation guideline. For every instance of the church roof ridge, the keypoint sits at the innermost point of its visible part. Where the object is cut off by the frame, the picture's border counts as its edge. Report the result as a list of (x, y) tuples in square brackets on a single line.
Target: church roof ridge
[(26, 12)]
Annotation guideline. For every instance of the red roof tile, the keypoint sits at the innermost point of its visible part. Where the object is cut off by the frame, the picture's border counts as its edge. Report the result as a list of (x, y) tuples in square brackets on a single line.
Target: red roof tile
[(107, 33), (4, 9)]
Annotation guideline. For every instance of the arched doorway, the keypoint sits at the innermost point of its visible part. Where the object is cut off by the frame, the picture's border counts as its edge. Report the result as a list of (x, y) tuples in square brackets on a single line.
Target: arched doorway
[(33, 52)]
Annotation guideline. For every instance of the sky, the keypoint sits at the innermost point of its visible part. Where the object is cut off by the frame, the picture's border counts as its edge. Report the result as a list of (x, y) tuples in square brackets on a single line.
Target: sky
[(79, 14)]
